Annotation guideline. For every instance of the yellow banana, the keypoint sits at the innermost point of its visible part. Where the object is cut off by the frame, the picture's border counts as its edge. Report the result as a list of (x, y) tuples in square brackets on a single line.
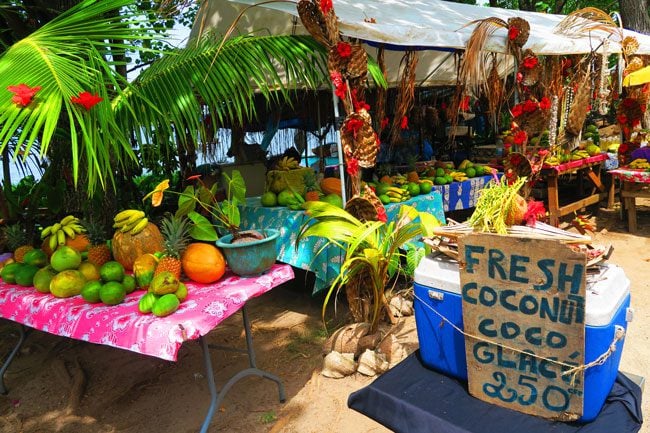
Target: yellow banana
[(139, 226), (68, 220), (77, 228), (135, 217), (394, 200), (46, 231), (53, 242), (124, 215), (60, 237), (69, 232), (56, 227)]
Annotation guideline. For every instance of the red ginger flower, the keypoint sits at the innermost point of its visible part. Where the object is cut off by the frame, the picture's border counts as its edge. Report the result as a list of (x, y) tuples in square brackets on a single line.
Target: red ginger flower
[(352, 167), (344, 49), (87, 100), (384, 122), (513, 32), (517, 110), (404, 124), (341, 91), (530, 106), (381, 214), (545, 103), (530, 62), (23, 94), (520, 137), (326, 6), (353, 125), (535, 210)]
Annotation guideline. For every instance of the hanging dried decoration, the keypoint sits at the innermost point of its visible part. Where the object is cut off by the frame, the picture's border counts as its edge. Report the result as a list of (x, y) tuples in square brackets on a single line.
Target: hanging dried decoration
[(580, 105), (552, 123), (405, 96), (322, 25), (529, 68), (587, 20), (518, 33), (380, 104), (351, 60), (603, 90), (359, 139)]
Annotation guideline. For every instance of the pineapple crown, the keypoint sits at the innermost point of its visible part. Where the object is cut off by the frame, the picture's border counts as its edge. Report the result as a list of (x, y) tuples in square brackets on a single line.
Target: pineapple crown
[(15, 236), (175, 231), (95, 231), (310, 181)]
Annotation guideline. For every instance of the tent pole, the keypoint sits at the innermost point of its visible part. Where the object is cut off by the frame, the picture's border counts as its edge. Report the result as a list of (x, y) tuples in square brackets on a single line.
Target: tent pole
[(339, 149)]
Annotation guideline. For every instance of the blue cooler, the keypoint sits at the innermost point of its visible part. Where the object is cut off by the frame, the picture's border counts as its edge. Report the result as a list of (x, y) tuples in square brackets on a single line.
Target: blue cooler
[(437, 289)]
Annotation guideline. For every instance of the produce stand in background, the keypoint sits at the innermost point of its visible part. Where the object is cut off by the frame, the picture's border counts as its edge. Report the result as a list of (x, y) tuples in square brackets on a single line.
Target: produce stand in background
[(588, 168), (634, 183)]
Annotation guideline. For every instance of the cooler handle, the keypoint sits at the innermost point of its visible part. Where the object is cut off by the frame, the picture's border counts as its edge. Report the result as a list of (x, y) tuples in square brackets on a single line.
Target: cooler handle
[(629, 314), (434, 294)]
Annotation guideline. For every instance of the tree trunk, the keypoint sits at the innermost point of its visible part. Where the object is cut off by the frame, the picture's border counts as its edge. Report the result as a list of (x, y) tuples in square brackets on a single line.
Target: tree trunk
[(634, 14)]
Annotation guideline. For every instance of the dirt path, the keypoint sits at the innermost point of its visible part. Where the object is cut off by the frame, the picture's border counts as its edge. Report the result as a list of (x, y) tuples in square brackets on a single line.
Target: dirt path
[(60, 385)]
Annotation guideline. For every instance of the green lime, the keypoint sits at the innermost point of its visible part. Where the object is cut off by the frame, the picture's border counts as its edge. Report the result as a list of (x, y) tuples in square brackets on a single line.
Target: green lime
[(8, 272), (25, 275), (42, 279), (128, 282), (269, 199), (440, 171), (90, 291), (471, 172), (36, 257), (112, 293), (111, 271), (384, 199), (413, 189), (425, 188), (285, 197), (440, 180)]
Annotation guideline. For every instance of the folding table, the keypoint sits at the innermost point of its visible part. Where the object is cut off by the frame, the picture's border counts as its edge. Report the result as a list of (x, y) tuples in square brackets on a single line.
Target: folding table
[(124, 327)]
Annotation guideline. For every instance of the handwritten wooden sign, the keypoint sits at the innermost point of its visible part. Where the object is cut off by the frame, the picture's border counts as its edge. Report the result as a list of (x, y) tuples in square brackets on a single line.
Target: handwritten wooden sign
[(527, 295)]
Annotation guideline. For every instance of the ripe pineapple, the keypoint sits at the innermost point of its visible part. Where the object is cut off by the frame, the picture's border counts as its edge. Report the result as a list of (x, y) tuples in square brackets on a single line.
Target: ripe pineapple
[(98, 251), (312, 192), (16, 241), (175, 231)]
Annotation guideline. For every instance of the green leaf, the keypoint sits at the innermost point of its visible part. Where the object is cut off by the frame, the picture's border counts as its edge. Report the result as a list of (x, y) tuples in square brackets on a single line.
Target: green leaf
[(236, 187), (186, 202), (413, 256), (202, 229), (231, 211)]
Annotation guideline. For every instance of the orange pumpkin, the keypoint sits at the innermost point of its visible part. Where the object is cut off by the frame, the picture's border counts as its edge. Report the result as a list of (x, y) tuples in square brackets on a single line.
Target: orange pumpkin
[(127, 247), (203, 263), (79, 243), (331, 185)]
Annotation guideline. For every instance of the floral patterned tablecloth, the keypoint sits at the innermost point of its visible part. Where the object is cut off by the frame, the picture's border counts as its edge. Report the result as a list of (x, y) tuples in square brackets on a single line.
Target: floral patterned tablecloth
[(326, 265), (122, 326), (631, 175)]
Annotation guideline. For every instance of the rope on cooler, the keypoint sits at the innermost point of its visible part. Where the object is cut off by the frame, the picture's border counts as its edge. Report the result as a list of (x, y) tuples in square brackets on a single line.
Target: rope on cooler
[(572, 370)]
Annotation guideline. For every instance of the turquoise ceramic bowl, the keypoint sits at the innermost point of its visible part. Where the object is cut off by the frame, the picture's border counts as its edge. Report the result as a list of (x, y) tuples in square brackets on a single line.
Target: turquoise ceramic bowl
[(250, 258)]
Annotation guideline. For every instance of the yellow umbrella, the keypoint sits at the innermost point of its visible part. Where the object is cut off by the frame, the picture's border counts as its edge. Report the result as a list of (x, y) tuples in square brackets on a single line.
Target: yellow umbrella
[(637, 78)]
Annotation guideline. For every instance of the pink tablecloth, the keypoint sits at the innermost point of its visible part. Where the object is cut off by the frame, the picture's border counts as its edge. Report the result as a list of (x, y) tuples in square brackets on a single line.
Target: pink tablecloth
[(124, 327), (576, 164), (630, 175)]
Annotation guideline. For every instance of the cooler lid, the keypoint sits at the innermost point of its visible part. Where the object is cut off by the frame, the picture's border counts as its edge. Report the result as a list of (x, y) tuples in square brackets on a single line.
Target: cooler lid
[(606, 291)]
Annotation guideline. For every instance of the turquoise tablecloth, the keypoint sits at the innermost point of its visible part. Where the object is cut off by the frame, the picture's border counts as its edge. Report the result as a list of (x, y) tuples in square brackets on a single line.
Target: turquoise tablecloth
[(326, 265)]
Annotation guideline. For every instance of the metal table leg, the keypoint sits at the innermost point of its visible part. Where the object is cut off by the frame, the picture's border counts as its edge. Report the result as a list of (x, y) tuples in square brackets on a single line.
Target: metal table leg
[(216, 397), (21, 339)]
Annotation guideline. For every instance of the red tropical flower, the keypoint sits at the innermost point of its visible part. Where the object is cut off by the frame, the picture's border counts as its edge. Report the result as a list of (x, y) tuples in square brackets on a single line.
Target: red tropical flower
[(381, 214), (341, 91), (352, 167), (353, 125), (517, 110), (520, 77), (384, 122), (23, 94), (622, 119), (404, 124), (464, 104), (513, 32), (326, 6), (337, 78), (545, 103), (87, 100), (530, 106), (344, 49), (542, 152), (194, 177), (530, 62), (520, 137), (535, 210)]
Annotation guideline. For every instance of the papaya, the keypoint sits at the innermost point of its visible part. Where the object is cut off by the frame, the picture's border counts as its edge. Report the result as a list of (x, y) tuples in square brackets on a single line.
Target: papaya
[(164, 283), (165, 305)]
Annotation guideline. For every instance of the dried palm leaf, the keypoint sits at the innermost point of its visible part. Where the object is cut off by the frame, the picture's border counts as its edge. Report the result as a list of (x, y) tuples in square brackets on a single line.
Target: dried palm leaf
[(586, 20), (380, 105), (359, 139), (630, 45), (494, 92), (405, 94), (634, 64), (357, 66)]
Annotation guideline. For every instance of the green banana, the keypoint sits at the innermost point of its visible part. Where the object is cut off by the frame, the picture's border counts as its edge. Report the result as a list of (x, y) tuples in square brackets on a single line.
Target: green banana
[(46, 231), (60, 237), (53, 242), (69, 232), (135, 217), (77, 228)]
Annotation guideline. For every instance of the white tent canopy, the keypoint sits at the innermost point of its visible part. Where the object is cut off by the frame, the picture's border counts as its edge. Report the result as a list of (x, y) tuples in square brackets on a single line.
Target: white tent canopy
[(436, 26)]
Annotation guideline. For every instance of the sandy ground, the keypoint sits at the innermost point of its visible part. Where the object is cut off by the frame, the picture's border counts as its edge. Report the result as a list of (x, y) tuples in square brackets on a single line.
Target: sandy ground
[(61, 385)]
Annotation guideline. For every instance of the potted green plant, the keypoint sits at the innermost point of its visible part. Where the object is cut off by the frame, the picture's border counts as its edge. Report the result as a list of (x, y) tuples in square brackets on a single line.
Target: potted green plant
[(250, 252), (373, 251)]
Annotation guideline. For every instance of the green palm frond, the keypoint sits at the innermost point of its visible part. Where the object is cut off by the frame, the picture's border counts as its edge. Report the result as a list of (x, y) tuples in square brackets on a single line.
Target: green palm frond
[(65, 57), (225, 76)]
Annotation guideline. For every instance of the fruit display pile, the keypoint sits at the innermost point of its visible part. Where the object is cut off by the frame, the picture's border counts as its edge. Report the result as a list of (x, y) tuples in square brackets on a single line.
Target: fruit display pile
[(75, 259), (389, 188), (402, 187)]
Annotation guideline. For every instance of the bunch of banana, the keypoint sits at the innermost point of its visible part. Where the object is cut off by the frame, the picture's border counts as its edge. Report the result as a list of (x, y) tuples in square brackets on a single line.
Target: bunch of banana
[(458, 176), (130, 221), (552, 160), (399, 179), (640, 163), (397, 195), (286, 164), (68, 227), (429, 181), (579, 154)]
